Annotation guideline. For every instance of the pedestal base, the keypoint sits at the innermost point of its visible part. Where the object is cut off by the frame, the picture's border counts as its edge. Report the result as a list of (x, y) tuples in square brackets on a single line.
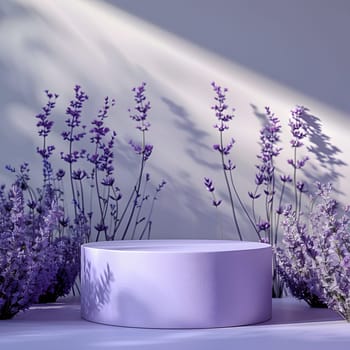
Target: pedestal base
[(176, 283)]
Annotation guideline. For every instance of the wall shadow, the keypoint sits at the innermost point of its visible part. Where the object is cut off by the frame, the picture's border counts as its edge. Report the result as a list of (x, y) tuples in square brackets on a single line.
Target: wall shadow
[(326, 165), (322, 148), (195, 135)]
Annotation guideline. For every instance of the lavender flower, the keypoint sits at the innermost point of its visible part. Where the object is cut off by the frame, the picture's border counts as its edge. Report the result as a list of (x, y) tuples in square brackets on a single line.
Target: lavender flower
[(286, 178), (60, 174), (265, 178), (298, 129), (225, 150), (142, 107), (74, 113), (79, 174), (44, 126), (221, 107), (103, 156), (108, 181), (223, 117), (75, 132), (298, 126), (254, 195), (269, 186), (208, 183), (146, 151), (140, 115), (263, 226), (301, 186)]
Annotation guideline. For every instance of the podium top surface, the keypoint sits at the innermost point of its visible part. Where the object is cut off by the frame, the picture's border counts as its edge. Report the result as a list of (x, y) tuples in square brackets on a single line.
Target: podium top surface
[(175, 245)]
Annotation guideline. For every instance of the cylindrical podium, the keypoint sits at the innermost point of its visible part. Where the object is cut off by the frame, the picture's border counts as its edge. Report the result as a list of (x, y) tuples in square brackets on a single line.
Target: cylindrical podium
[(176, 283)]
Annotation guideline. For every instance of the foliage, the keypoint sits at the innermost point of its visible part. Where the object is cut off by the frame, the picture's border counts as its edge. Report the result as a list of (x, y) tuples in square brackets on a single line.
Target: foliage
[(314, 258)]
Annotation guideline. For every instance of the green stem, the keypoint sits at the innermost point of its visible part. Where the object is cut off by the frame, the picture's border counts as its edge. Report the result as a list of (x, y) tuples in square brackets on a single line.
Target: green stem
[(229, 189), (71, 174), (123, 215), (138, 185), (295, 178), (139, 211), (99, 205), (278, 215), (243, 206)]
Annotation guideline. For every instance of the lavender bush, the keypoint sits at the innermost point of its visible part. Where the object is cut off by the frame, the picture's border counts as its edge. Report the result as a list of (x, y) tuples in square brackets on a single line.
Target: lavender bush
[(314, 258), (270, 187), (41, 229), (28, 265)]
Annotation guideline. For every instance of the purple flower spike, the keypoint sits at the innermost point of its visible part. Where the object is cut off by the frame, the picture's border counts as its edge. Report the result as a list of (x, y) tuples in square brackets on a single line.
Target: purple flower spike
[(74, 109), (263, 226), (142, 107), (301, 186), (298, 130), (259, 179), (291, 162), (79, 174), (229, 166), (103, 139), (136, 147), (108, 181), (297, 126), (160, 186), (269, 137), (300, 163), (221, 108), (254, 196), (209, 184), (44, 125), (216, 203), (75, 130), (286, 178), (147, 152)]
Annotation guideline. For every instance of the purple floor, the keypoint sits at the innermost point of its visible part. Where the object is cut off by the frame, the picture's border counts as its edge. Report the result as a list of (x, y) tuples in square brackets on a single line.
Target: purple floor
[(59, 326)]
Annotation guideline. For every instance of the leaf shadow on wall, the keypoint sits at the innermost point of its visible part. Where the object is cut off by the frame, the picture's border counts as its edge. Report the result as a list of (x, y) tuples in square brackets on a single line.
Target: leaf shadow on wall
[(326, 153), (195, 135), (319, 145)]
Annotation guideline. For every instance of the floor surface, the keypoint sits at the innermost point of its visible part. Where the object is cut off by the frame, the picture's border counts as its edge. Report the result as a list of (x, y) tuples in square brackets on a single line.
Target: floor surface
[(58, 326)]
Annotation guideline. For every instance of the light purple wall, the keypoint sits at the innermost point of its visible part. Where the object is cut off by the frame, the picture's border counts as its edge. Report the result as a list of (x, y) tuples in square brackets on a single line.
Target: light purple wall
[(279, 53), (301, 44)]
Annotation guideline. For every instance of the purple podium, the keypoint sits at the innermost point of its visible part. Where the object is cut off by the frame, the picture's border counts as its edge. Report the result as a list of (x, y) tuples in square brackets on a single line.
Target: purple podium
[(176, 283)]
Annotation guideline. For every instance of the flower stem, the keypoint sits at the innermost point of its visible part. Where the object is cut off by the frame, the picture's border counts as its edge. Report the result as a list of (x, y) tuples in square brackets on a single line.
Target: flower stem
[(229, 189)]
